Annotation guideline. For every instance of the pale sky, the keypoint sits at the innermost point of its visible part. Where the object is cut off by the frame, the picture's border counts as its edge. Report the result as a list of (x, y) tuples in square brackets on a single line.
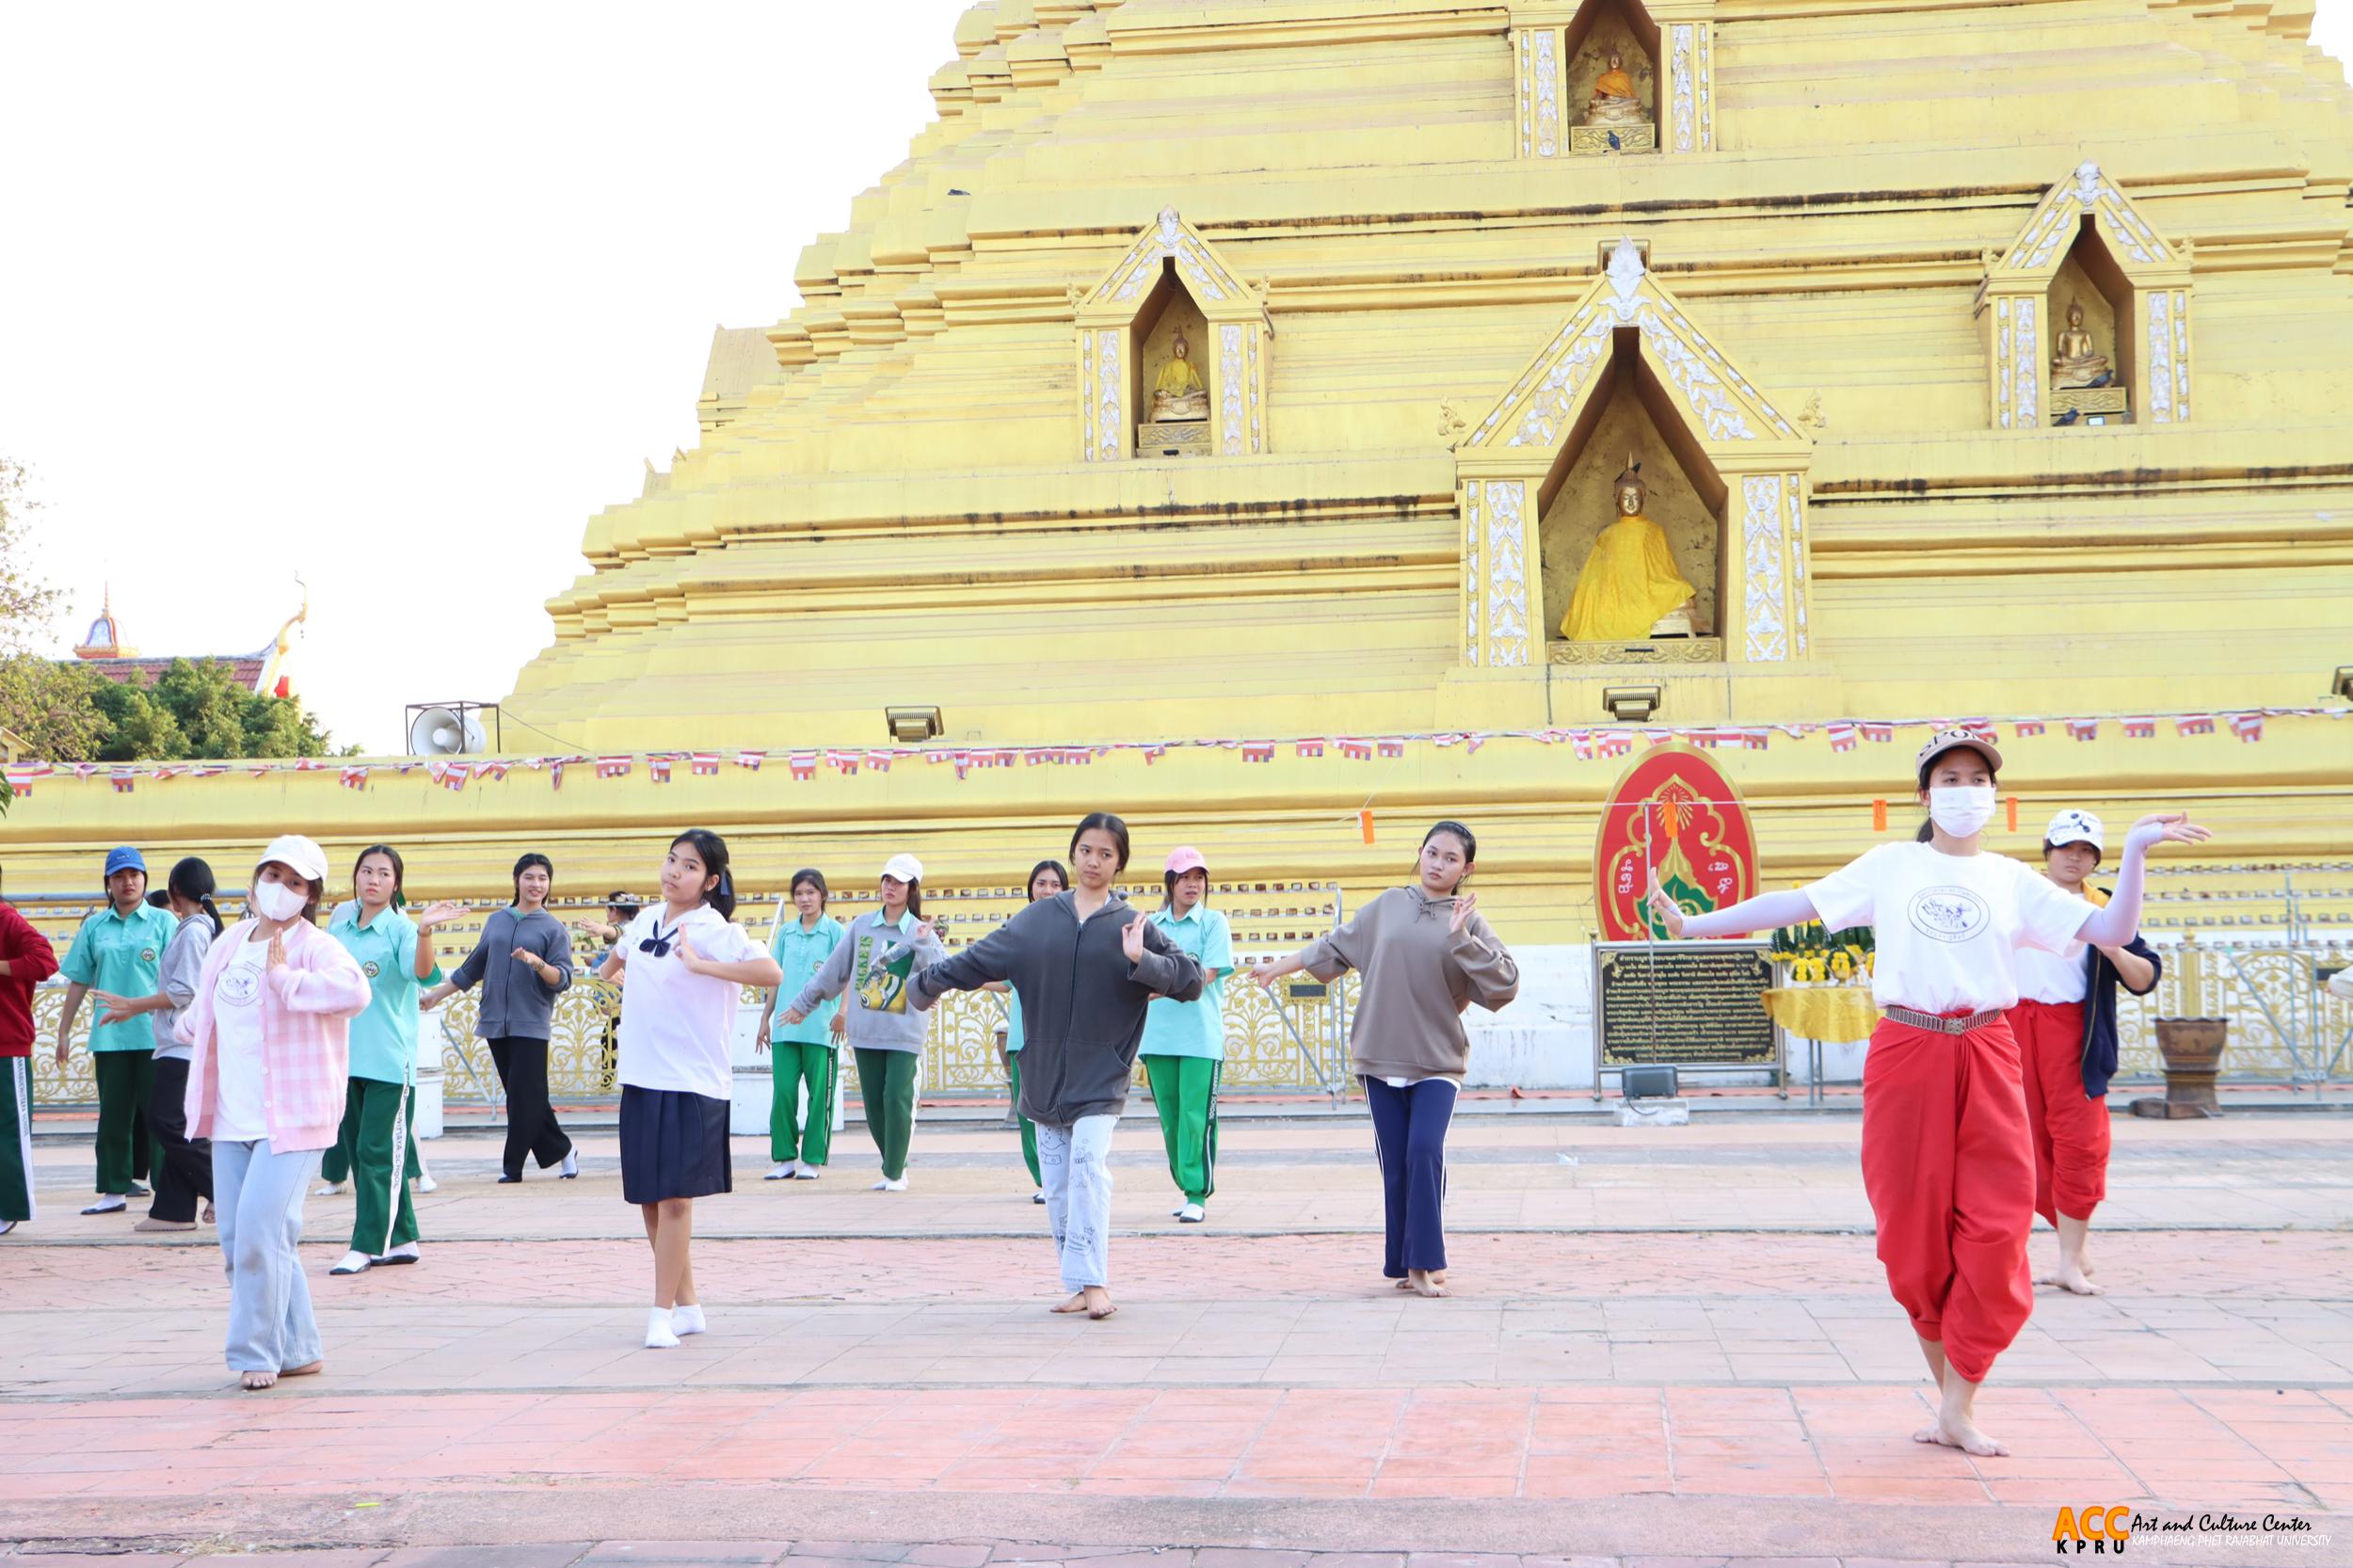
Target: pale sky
[(397, 299)]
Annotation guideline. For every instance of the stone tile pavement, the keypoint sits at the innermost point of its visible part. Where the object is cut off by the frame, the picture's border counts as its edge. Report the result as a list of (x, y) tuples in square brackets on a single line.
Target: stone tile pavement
[(893, 1391)]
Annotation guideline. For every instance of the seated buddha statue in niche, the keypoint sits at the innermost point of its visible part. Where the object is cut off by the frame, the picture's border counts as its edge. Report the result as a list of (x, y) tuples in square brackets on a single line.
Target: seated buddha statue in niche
[(1614, 101), (2076, 364), (1629, 587), (1178, 393)]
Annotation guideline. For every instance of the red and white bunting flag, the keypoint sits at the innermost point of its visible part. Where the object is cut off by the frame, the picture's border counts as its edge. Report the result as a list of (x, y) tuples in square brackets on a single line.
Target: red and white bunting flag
[(1355, 750), (2083, 730), (1391, 746), (83, 770), (1982, 729), (1841, 736), (704, 762), (1876, 733), (1581, 744), (1258, 751), (2247, 726), (844, 762), (1471, 747), (489, 770), (1615, 743), (1708, 740), (750, 760), (455, 775), (1154, 753), (20, 780), (123, 777), (1038, 756), (308, 764), (659, 767), (354, 778), (963, 759), (803, 765), (1453, 737), (1307, 748), (1658, 737), (880, 761), (1006, 757), (202, 770), (2027, 727), (2141, 730), (1755, 739), (2194, 723), (613, 767), (171, 770)]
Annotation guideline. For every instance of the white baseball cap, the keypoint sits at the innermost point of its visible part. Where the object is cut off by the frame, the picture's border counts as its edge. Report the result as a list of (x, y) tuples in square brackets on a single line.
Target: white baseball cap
[(2075, 827), (906, 868), (293, 849)]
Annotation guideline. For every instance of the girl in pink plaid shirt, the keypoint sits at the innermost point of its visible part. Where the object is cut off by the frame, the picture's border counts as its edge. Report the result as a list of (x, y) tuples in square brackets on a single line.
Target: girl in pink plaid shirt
[(266, 1063)]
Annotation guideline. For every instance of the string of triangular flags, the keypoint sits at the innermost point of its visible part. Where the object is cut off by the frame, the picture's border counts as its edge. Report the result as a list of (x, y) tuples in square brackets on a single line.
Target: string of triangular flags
[(1587, 742)]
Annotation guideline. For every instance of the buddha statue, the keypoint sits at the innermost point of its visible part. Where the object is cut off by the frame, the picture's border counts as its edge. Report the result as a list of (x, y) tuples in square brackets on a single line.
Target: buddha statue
[(1178, 393), (1614, 101), (1629, 587), (2076, 364)]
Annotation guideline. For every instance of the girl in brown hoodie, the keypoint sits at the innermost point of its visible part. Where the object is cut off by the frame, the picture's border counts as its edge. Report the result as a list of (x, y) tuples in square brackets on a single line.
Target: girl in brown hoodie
[(1425, 955)]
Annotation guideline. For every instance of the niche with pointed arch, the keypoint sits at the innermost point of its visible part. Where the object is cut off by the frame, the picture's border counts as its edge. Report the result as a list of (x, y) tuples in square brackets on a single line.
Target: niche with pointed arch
[(1171, 283), (1725, 471)]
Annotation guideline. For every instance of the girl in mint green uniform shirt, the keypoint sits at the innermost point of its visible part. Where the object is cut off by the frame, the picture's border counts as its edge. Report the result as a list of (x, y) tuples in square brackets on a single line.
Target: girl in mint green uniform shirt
[(1184, 1042), (1047, 878), (119, 950), (809, 1052), (396, 954)]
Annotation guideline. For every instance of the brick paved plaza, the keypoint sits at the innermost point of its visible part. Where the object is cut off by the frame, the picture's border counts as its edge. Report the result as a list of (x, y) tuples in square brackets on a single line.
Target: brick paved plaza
[(1666, 1344)]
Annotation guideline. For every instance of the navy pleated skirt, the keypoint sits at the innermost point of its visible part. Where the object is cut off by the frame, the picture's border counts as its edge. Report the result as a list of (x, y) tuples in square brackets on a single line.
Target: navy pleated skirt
[(673, 1144)]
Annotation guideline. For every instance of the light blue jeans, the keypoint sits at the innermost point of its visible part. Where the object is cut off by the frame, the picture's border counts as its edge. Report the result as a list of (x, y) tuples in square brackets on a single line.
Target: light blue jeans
[(1076, 1163), (258, 1198)]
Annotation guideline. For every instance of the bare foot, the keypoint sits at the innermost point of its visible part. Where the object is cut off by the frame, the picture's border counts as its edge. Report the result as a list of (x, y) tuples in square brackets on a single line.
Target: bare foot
[(1426, 1283), (256, 1382), (1406, 1284), (1961, 1435), (1076, 1304), (2074, 1280), (1099, 1301), (307, 1369)]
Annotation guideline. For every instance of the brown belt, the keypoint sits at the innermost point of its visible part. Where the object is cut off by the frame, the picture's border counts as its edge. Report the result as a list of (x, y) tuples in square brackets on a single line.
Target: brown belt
[(1935, 1025)]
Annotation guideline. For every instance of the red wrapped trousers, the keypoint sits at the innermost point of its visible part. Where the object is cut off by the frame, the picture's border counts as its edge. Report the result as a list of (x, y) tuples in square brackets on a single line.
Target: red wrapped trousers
[(1950, 1169), (2070, 1127)]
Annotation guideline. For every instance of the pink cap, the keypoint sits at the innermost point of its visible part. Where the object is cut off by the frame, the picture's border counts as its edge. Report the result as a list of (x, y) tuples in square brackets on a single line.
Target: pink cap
[(1186, 859)]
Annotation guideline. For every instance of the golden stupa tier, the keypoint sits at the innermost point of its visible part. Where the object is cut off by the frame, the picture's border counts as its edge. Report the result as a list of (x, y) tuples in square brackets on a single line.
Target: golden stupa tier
[(1978, 359)]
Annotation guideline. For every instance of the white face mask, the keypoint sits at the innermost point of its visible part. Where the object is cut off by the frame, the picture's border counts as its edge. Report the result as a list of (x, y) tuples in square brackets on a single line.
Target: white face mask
[(1961, 810), (278, 901)]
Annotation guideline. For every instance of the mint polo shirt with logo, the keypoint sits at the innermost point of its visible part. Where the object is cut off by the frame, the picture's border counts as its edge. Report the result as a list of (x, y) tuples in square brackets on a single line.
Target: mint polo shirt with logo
[(384, 1035), (121, 954), (800, 953), (1173, 1028)]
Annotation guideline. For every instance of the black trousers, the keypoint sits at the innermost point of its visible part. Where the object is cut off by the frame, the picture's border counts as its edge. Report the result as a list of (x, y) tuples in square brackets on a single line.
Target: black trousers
[(531, 1127), (184, 1167)]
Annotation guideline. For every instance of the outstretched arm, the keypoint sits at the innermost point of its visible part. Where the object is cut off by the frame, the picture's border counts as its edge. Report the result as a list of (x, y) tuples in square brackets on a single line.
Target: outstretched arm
[(2115, 925), (1764, 912)]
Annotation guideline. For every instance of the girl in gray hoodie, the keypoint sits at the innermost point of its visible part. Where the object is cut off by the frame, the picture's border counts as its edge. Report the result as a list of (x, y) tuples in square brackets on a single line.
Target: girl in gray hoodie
[(1425, 955), (1086, 965)]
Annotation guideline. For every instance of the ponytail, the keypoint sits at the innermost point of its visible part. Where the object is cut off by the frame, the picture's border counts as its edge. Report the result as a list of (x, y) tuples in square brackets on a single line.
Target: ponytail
[(192, 881), (212, 914)]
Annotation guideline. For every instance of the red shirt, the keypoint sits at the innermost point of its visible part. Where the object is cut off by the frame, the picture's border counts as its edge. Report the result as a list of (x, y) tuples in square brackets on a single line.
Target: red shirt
[(31, 960)]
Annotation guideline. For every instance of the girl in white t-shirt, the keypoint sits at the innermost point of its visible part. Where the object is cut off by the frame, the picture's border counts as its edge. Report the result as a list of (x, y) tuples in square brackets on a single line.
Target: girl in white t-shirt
[(1947, 1158), (681, 963)]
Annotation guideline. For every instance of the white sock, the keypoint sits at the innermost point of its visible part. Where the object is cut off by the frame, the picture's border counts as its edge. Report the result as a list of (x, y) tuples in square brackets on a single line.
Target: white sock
[(660, 1335), (686, 1317)]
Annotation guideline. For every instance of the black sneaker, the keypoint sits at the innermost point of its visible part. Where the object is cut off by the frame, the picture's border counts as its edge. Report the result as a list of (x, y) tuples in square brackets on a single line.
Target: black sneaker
[(137, 1192), (505, 1178)]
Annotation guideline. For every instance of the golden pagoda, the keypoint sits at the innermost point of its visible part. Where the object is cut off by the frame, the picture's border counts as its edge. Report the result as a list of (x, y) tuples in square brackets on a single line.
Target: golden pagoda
[(1978, 361)]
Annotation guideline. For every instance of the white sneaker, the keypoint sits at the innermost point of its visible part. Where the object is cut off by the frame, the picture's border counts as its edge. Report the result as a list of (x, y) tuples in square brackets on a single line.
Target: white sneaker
[(426, 1184), (784, 1170), (108, 1203), (686, 1319), (1177, 1212), (1192, 1214), (353, 1263), (808, 1173), (7, 1225), (327, 1190), (660, 1335), (1038, 1196), (406, 1253), (571, 1167), (888, 1185)]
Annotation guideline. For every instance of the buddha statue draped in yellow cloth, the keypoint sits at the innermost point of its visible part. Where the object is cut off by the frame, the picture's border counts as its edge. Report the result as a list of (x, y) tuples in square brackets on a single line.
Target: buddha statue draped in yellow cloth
[(1178, 393), (1615, 100), (1630, 583)]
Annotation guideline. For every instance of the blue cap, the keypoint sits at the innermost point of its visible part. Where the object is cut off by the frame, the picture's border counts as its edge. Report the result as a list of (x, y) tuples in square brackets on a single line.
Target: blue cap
[(125, 859)]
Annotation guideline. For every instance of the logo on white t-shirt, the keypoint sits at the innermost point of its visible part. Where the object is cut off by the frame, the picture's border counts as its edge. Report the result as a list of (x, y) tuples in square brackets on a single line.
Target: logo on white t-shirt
[(1948, 914), (240, 984)]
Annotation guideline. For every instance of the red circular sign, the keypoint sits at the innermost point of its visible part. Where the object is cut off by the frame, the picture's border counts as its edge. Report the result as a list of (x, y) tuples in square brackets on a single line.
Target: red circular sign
[(1674, 810)]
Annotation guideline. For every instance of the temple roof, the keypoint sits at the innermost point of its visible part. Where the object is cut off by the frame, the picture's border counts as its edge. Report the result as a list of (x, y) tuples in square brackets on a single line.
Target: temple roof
[(262, 671)]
